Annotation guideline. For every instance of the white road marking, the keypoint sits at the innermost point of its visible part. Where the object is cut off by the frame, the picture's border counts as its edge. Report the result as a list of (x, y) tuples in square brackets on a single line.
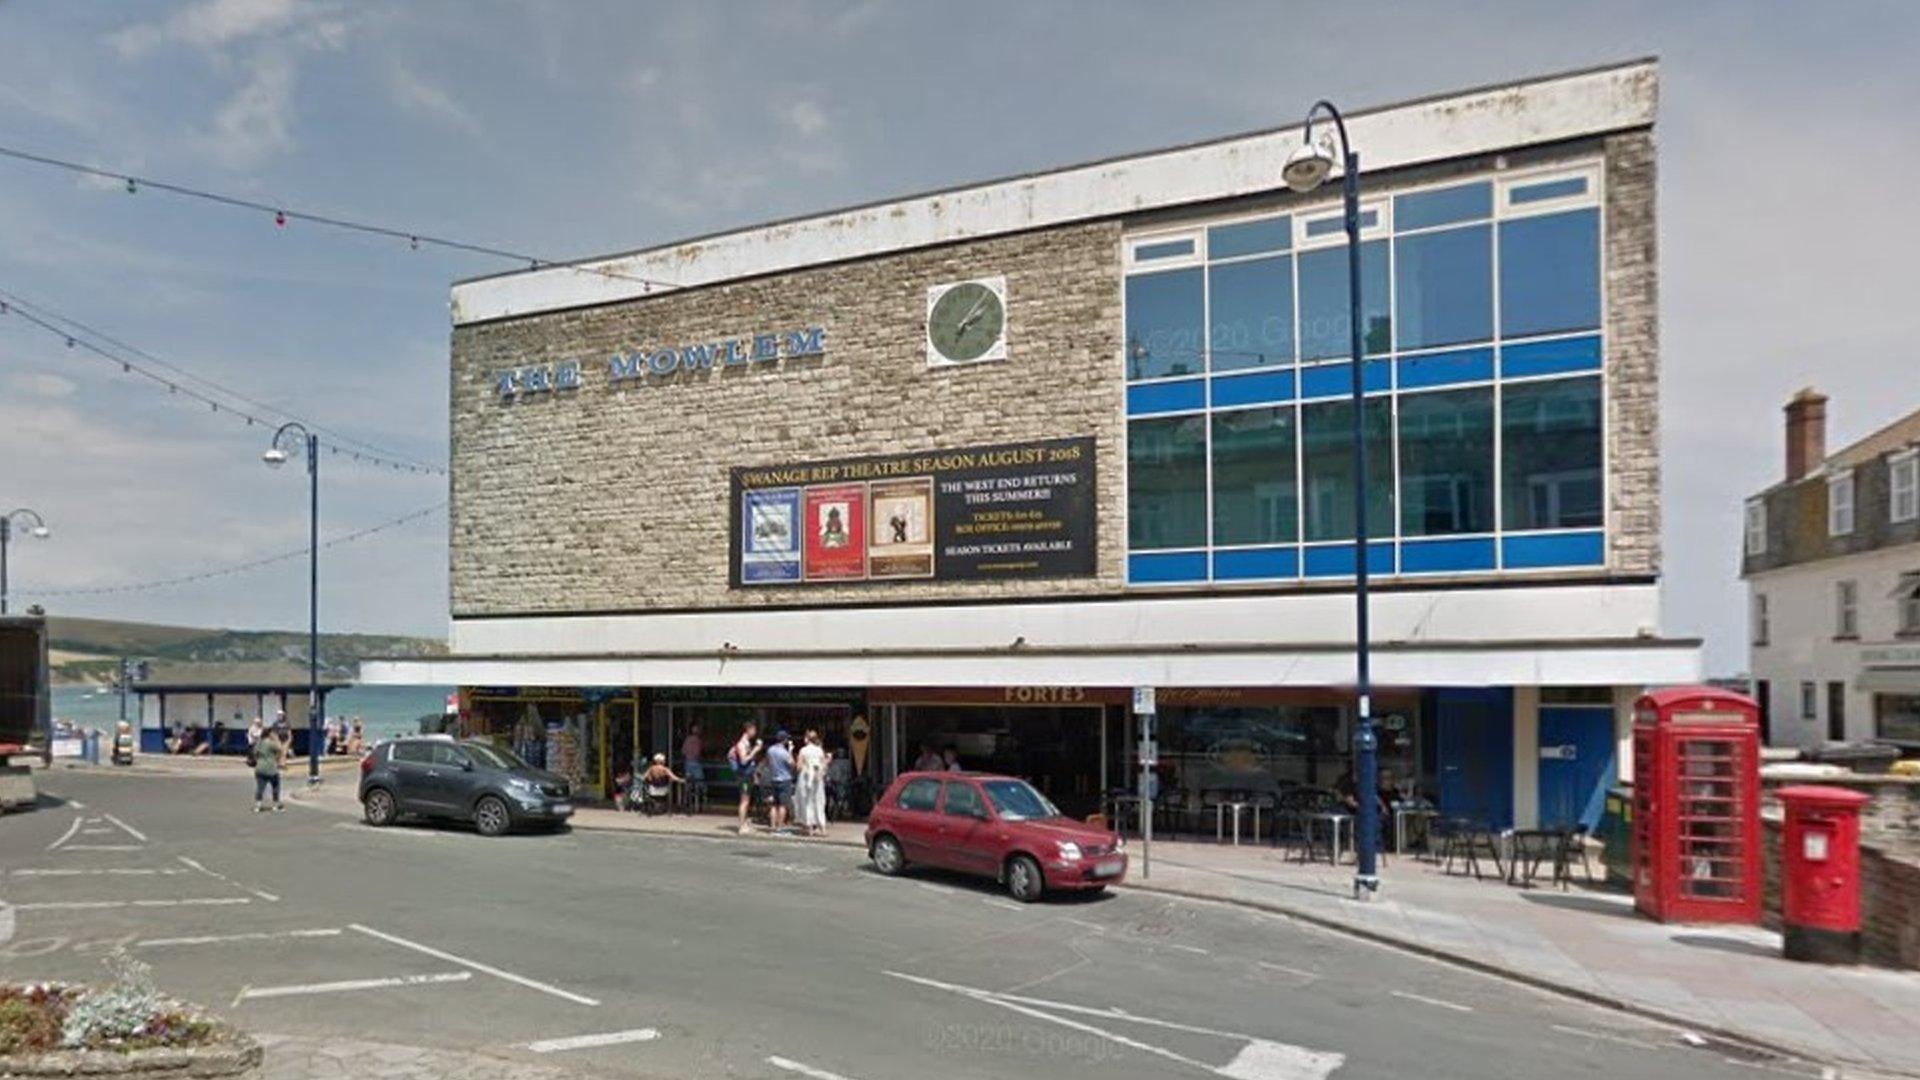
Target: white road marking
[(68, 835), (804, 1070), (101, 847), (217, 876), (931, 888), (1605, 1037), (131, 831), (484, 969), (95, 832), (1260, 1059), (583, 1042), (418, 834), (1186, 948), (1293, 971), (220, 939), (194, 864), (249, 993), (1008, 904), (95, 905), (1085, 925), (113, 871), (265, 895), (1425, 1000), (76, 804)]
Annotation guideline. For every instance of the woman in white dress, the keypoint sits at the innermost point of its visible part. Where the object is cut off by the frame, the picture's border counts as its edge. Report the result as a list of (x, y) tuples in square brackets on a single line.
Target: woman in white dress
[(811, 789)]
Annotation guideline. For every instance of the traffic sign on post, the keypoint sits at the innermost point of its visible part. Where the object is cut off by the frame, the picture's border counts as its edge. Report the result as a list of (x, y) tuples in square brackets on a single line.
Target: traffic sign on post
[(1143, 700)]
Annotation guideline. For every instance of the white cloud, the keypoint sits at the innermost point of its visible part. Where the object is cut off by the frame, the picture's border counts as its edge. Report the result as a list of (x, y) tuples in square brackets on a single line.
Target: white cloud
[(257, 120), (643, 80), (804, 117), (41, 384), (210, 24), (418, 96)]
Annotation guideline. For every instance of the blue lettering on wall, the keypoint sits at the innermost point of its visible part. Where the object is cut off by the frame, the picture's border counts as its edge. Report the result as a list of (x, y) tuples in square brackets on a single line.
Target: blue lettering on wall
[(661, 362)]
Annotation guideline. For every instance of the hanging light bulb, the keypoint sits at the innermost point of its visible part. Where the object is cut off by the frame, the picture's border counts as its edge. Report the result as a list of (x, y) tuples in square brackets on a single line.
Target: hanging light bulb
[(413, 242), (280, 218), (70, 343), (126, 368), (132, 187)]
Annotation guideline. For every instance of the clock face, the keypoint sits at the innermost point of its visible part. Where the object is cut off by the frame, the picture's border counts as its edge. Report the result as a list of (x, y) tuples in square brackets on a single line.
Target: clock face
[(967, 322)]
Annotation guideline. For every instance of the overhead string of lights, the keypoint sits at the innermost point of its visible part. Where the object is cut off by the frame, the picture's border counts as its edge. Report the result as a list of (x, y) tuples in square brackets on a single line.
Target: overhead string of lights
[(240, 568), (179, 381), (282, 215)]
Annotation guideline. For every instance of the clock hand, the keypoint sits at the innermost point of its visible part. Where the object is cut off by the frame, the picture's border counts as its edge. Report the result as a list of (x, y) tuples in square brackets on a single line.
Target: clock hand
[(978, 309)]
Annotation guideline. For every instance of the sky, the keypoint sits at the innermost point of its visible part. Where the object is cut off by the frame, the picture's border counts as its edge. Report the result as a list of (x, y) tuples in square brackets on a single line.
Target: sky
[(567, 129)]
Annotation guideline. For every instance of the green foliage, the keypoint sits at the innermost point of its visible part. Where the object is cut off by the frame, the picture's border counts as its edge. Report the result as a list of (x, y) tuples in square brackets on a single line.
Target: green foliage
[(30, 1018), (117, 1013)]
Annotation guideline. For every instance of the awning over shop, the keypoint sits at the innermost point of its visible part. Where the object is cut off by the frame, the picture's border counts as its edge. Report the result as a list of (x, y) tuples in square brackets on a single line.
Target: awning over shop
[(1889, 680)]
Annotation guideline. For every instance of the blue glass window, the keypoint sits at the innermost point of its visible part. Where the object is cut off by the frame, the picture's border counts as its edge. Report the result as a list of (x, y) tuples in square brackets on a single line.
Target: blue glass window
[(1468, 202), (1335, 223), (1255, 500), (1326, 433), (1249, 238), (1163, 324), (1446, 462), (1167, 483), (1165, 249), (1550, 273), (1324, 306), (1444, 283), (1522, 194), (1551, 453), (1252, 313)]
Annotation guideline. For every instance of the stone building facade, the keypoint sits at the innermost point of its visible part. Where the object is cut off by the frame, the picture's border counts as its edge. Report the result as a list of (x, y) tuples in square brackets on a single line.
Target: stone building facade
[(1185, 315)]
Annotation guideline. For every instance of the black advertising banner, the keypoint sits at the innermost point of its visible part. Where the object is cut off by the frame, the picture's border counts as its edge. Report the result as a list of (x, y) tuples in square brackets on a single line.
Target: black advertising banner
[(983, 513)]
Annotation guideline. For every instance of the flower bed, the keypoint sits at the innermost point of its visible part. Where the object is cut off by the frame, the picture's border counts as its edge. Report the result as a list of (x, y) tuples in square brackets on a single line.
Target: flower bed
[(125, 1027)]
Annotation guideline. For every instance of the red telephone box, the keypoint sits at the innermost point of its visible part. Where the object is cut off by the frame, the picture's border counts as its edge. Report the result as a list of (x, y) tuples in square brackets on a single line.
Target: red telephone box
[(1696, 806)]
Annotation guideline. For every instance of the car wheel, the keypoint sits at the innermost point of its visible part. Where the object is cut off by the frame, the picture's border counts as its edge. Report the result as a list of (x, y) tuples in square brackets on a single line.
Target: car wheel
[(1024, 882), (887, 856), (379, 807), (490, 816)]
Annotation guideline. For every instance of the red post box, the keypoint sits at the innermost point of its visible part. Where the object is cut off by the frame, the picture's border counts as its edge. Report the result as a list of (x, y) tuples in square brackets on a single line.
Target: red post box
[(1820, 874), (1695, 842)]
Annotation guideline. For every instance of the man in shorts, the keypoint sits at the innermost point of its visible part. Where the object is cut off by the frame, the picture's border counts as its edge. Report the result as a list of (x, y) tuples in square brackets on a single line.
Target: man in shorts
[(780, 778)]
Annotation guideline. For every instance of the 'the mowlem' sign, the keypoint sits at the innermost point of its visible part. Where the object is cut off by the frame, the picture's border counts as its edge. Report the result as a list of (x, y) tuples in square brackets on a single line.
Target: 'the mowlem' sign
[(661, 362)]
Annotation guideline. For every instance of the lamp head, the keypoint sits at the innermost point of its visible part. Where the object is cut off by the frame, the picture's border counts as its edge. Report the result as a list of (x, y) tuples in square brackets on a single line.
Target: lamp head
[(274, 457), (1307, 167), (42, 532)]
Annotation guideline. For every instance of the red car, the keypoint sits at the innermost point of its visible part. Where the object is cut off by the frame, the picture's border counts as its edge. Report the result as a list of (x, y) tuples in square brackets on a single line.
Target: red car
[(994, 826)]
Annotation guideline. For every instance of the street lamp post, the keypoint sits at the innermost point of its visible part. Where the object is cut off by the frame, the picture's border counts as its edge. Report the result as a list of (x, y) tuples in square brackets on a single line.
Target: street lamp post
[(1306, 169), (276, 455), (36, 527)]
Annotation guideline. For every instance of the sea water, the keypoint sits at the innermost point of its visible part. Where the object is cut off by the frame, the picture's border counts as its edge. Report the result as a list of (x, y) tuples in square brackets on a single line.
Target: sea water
[(384, 711)]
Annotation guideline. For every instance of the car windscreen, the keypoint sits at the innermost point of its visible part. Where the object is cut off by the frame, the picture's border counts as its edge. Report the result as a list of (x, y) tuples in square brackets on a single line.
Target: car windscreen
[(492, 757), (1016, 800)]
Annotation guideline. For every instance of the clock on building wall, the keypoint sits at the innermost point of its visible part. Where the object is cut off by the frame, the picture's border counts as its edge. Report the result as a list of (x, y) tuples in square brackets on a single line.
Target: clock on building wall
[(967, 322)]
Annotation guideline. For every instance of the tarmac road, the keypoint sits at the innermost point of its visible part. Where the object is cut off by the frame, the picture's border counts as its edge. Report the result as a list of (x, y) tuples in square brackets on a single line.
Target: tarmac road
[(614, 954)]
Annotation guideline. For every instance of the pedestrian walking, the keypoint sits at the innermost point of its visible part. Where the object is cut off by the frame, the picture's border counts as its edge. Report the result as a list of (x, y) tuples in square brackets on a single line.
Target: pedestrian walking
[(810, 792), (742, 757), (269, 754)]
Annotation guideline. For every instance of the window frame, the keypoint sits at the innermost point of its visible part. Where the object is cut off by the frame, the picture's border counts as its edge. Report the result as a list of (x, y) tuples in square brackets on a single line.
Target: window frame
[(1908, 611), (900, 800), (1809, 701), (1201, 571), (1840, 511), (1756, 522), (1846, 610), (1760, 619), (1903, 485)]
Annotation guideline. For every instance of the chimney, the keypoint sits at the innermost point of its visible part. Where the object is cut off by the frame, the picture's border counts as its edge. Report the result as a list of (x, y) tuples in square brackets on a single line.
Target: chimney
[(1806, 432)]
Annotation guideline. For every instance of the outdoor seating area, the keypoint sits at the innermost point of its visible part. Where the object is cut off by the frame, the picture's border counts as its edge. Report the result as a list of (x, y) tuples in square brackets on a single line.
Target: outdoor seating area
[(1316, 824)]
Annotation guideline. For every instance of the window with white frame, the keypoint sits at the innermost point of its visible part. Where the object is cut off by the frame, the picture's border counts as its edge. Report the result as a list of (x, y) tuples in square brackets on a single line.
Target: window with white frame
[(1756, 526), (1809, 701), (1759, 616), (1903, 482), (1907, 595), (1840, 504), (1846, 614)]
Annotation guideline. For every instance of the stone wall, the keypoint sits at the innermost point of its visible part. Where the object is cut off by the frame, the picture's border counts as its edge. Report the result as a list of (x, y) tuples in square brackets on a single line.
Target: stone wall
[(614, 496), (1633, 356), (1889, 901)]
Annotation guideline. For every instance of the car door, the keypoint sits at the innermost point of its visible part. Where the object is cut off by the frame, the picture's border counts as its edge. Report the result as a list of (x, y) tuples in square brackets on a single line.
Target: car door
[(966, 833), (451, 778), (916, 821), (411, 762)]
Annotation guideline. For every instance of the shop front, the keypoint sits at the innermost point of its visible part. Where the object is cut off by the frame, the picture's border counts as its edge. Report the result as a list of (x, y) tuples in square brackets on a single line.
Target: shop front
[(717, 716), (586, 734)]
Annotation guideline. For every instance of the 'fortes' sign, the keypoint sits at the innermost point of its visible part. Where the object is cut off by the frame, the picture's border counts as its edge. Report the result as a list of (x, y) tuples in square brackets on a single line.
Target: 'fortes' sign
[(659, 363)]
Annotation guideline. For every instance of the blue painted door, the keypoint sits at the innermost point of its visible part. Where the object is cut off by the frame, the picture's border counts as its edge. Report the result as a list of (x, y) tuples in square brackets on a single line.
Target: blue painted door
[(1473, 733), (1576, 763)]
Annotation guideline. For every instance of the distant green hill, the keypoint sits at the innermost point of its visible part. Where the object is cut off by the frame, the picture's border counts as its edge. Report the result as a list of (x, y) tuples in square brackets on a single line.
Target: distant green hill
[(87, 650)]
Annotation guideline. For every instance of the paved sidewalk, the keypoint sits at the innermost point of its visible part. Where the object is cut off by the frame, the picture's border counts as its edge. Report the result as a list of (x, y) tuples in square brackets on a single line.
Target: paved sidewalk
[(1585, 941)]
